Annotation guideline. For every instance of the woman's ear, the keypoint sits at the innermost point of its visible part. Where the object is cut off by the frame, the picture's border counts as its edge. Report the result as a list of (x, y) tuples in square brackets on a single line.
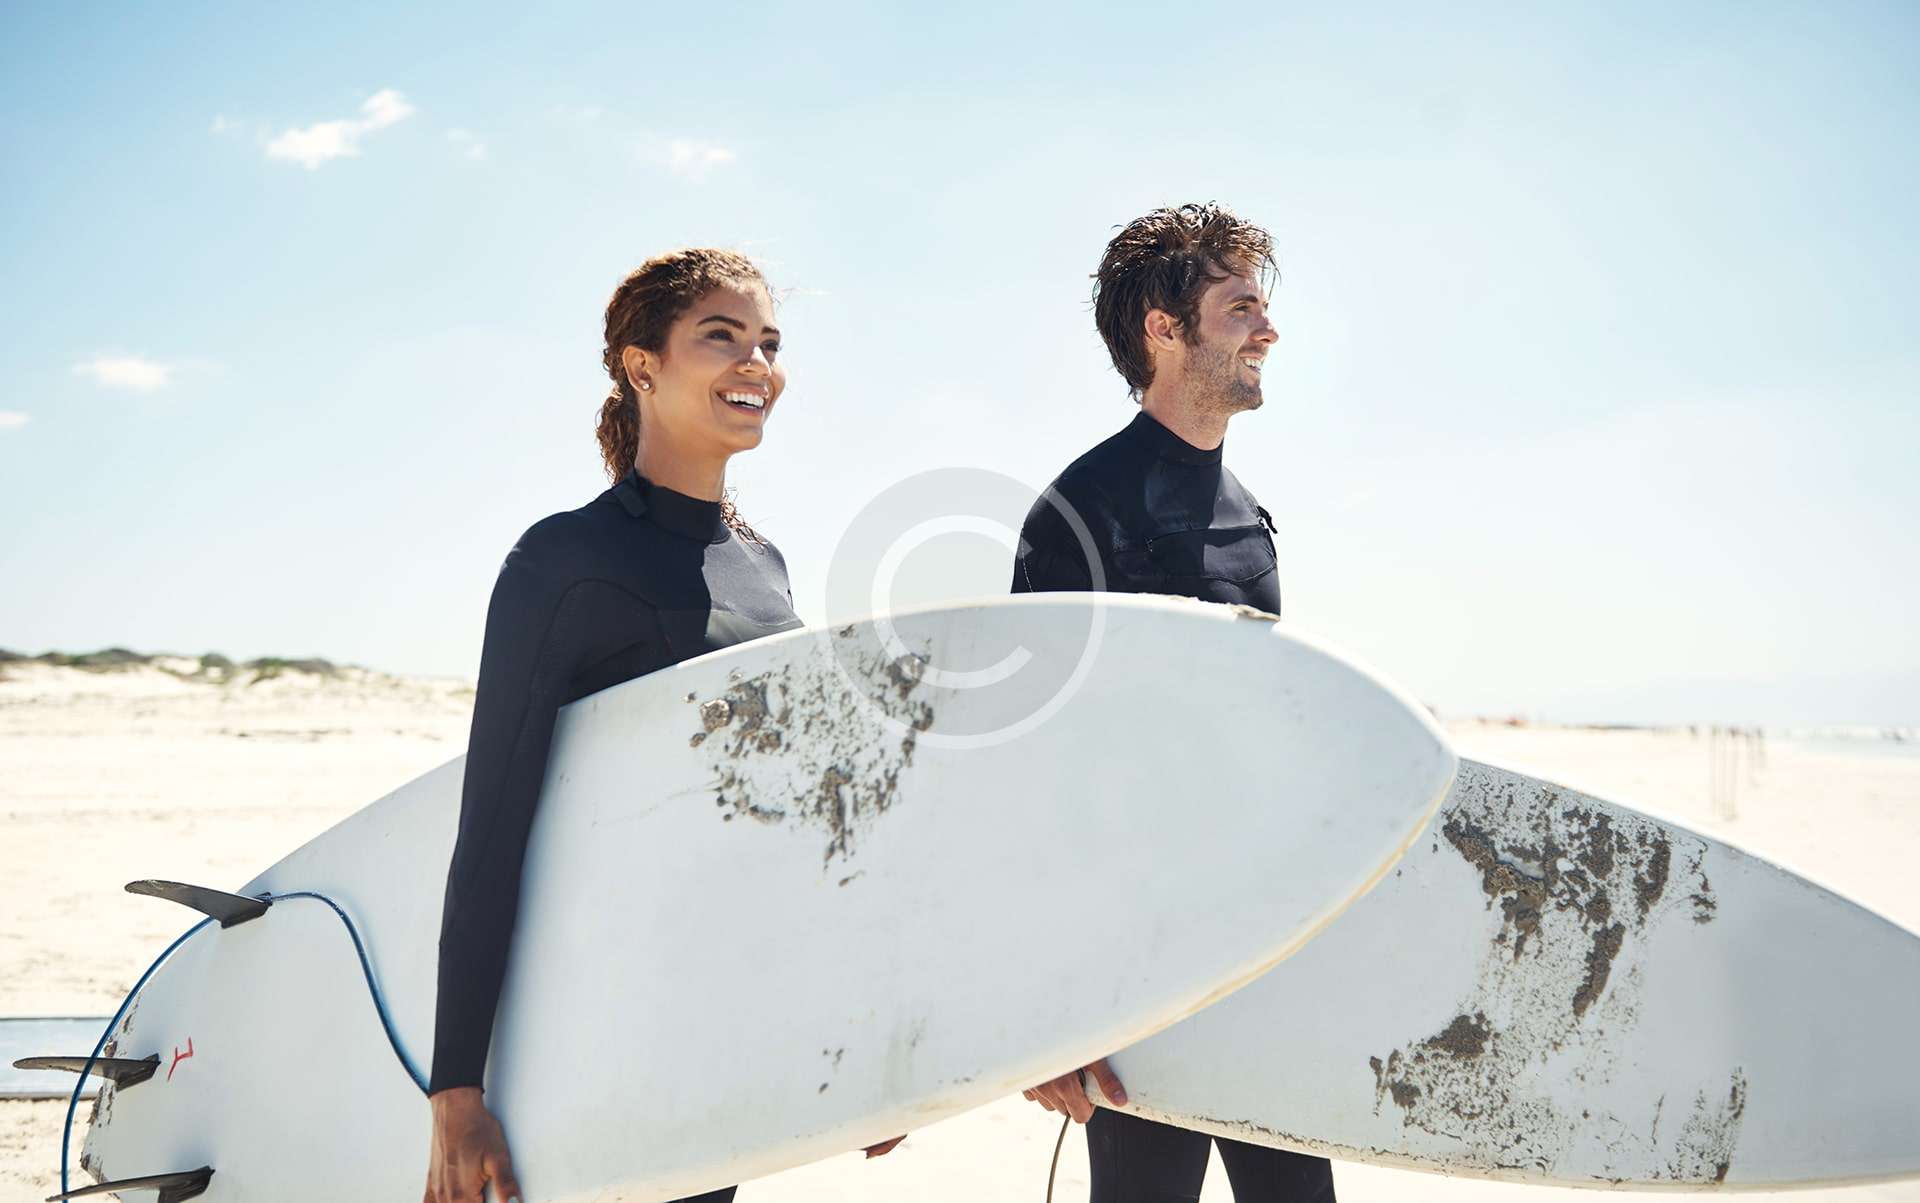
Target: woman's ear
[(640, 366)]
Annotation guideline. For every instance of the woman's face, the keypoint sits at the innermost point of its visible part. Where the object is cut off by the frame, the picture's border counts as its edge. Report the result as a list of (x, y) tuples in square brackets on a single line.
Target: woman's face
[(720, 376)]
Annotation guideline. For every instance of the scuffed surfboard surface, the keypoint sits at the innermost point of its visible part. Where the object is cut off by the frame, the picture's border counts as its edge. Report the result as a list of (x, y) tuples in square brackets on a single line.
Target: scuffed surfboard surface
[(1553, 988)]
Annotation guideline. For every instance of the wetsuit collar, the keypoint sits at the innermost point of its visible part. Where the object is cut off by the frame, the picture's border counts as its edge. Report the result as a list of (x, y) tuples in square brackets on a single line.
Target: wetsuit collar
[(1145, 432), (688, 517)]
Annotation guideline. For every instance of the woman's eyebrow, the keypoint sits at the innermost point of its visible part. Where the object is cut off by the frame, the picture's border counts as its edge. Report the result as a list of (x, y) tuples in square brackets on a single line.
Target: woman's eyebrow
[(736, 323)]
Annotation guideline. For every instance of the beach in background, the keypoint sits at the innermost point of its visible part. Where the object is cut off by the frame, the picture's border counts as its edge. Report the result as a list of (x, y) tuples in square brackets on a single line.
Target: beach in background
[(198, 770)]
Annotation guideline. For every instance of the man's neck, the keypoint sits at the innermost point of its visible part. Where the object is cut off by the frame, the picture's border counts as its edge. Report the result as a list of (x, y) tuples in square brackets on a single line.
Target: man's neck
[(1199, 428)]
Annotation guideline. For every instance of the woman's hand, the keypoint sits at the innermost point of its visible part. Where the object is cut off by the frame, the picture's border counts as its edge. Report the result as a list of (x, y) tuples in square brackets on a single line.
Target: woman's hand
[(469, 1151)]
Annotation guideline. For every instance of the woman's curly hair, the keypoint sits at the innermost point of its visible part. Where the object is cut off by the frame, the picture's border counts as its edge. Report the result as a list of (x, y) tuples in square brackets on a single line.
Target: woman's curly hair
[(641, 312)]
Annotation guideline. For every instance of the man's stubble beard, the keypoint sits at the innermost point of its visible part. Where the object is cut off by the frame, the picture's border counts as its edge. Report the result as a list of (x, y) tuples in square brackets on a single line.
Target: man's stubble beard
[(1218, 387)]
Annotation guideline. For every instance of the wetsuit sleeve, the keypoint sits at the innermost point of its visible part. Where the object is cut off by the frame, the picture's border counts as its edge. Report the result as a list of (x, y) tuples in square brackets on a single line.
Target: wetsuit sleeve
[(1050, 558), (524, 665)]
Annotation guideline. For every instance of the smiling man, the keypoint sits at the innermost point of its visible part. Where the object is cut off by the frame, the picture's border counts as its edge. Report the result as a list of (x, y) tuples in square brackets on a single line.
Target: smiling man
[(1181, 300)]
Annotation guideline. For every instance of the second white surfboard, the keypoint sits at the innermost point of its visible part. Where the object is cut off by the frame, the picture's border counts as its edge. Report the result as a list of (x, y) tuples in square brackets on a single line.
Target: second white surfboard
[(1552, 988)]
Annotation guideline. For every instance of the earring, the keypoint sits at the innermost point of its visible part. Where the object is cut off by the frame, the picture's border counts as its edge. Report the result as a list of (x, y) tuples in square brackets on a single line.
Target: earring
[(645, 385)]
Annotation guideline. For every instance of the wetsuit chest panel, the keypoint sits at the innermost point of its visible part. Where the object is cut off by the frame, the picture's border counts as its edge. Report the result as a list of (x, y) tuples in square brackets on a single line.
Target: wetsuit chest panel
[(754, 604), (1185, 529), (1184, 497), (1237, 554), (757, 592)]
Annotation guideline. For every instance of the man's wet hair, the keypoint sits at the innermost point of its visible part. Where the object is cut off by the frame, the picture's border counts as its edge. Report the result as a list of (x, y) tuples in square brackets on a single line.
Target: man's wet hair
[(1165, 260)]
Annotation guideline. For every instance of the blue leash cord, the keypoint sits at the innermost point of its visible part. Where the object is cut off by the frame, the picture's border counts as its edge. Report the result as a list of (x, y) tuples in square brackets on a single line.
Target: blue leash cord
[(373, 987), (366, 968)]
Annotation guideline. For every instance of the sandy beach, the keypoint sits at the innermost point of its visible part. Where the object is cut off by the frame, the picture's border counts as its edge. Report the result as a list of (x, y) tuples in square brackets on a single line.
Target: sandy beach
[(162, 770)]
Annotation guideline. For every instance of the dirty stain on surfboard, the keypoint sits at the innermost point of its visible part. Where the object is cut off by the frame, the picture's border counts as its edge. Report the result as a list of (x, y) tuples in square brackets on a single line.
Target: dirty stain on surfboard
[(1573, 891), (821, 742)]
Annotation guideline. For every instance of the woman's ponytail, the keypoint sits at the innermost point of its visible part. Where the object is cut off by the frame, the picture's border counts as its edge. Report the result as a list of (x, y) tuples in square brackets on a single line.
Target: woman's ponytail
[(619, 431)]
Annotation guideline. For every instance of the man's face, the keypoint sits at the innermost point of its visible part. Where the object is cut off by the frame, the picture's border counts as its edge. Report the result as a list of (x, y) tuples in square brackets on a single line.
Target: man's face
[(1227, 349)]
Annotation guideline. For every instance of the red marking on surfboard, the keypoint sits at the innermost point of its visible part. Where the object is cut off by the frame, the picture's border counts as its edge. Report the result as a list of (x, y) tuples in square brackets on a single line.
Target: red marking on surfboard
[(178, 1057)]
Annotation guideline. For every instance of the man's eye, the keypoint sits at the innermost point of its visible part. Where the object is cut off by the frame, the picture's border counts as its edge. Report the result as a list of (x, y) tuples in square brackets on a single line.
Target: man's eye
[(771, 348), (722, 335)]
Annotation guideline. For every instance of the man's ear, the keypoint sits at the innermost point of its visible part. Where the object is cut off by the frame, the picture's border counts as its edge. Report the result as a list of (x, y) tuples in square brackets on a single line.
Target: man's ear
[(1163, 338), (640, 366), (1163, 330)]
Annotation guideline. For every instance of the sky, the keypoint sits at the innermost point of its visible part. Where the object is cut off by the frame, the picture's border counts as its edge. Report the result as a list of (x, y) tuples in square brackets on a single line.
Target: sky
[(1595, 395)]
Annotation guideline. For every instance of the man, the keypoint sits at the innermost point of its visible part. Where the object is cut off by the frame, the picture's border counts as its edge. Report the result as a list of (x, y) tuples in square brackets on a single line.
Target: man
[(1180, 299)]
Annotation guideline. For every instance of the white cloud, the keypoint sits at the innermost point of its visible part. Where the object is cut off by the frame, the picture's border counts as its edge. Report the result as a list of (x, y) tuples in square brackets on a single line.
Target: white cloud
[(692, 159), (468, 144), (13, 421), (223, 125), (385, 108), (688, 158), (129, 372), (312, 145)]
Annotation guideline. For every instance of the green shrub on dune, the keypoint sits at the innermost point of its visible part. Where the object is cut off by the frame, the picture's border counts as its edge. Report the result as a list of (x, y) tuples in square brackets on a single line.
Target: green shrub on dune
[(111, 659), (210, 667)]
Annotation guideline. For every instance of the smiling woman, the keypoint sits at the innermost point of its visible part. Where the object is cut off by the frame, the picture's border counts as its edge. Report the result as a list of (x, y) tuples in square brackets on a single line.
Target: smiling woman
[(656, 570), (698, 387)]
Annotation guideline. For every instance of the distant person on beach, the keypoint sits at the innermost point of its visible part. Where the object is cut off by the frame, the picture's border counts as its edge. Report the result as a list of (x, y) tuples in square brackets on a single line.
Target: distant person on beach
[(657, 569), (1181, 301)]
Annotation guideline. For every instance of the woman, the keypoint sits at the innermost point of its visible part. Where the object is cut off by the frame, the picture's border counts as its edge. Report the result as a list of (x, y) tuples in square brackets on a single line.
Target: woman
[(657, 569)]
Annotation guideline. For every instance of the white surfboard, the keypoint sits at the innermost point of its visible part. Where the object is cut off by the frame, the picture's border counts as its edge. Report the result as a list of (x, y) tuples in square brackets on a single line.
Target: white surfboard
[(794, 898), (1550, 988)]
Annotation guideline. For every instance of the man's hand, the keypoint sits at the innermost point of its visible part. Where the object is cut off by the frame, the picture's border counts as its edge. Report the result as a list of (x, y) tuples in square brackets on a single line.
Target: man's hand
[(469, 1151), (1065, 1095), (884, 1147)]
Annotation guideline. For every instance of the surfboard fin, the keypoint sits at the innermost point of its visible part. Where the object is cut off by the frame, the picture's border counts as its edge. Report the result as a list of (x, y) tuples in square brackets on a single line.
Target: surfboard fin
[(121, 1071), (229, 909), (172, 1187)]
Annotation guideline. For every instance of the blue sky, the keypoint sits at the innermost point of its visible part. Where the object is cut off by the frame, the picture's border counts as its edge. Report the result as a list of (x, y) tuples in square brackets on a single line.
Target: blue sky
[(1595, 396)]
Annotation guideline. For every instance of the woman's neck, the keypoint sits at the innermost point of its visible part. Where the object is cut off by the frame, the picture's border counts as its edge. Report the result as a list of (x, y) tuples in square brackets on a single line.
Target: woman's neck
[(699, 476)]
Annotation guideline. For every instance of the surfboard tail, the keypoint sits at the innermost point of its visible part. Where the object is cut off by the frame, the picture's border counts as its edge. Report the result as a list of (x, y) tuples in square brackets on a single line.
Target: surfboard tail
[(121, 1071), (230, 909), (173, 1188)]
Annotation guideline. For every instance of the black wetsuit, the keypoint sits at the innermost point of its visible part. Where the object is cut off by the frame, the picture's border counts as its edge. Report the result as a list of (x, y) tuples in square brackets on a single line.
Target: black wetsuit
[(639, 578), (1163, 516)]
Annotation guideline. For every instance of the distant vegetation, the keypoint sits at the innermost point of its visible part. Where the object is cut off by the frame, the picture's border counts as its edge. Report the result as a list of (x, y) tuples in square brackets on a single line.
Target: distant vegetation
[(104, 660), (212, 667), (273, 666)]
